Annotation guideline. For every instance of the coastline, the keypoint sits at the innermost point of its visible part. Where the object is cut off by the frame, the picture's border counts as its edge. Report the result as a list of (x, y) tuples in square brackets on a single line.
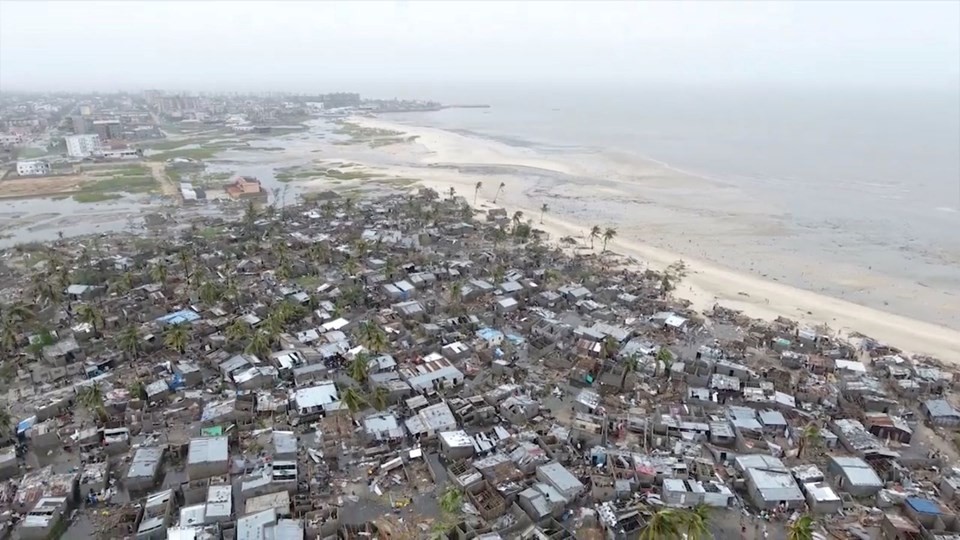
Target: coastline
[(707, 283)]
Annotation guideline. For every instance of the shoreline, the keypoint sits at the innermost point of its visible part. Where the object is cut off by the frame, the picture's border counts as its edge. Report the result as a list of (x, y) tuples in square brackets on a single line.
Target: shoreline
[(707, 283)]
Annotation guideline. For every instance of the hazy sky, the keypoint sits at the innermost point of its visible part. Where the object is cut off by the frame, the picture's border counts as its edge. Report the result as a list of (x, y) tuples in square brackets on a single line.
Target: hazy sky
[(304, 46)]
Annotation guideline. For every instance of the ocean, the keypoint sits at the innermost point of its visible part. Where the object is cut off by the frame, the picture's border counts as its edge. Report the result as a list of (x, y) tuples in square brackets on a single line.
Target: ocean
[(864, 179)]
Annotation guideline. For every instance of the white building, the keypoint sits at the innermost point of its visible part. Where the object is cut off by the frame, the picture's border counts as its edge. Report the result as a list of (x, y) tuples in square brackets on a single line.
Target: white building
[(33, 168), (83, 145)]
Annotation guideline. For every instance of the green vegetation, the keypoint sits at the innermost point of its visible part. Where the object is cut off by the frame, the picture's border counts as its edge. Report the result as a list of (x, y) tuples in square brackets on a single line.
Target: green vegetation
[(292, 174), (31, 152), (357, 131), (168, 144), (205, 152), (95, 197)]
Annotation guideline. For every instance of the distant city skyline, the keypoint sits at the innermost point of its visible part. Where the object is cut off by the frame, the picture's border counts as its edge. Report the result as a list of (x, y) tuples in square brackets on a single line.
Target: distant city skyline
[(407, 47)]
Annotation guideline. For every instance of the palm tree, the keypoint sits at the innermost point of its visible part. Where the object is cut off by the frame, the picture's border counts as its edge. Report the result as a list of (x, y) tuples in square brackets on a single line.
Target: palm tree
[(500, 188), (352, 399), (210, 293), (260, 344), (607, 236), (517, 217), (9, 337), (91, 315), (665, 357), (696, 522), (373, 337), (91, 398), (662, 525), (359, 368), (138, 390), (159, 272), (476, 189), (20, 311), (453, 192), (801, 529), (451, 501), (380, 398), (129, 341), (238, 331), (543, 210), (123, 284), (250, 215), (809, 438), (177, 337), (595, 232)]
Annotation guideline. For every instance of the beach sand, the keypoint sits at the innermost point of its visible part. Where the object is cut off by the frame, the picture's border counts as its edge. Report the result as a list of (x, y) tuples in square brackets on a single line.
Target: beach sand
[(664, 197)]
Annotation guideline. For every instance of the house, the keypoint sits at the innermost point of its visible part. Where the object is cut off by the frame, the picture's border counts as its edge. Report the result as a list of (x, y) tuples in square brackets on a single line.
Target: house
[(888, 427), (541, 501), (854, 476), (769, 489), (456, 445), (9, 465), (382, 427), (245, 187), (207, 457), (144, 470), (433, 375), (430, 420), (43, 519), (821, 498), (158, 512), (316, 400), (561, 479), (941, 412)]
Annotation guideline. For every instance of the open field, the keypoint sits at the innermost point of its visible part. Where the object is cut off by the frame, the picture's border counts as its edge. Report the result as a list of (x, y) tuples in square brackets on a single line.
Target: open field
[(93, 185)]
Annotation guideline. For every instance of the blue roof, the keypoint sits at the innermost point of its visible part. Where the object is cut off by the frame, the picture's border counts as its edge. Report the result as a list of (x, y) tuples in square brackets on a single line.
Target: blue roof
[(179, 317), (924, 506), (490, 334)]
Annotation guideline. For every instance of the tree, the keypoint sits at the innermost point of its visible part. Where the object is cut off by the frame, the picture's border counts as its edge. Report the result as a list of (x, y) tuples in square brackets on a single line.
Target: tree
[(6, 419), (250, 215), (177, 337), (664, 357), (451, 500), (352, 399), (476, 190), (453, 192), (8, 336), (91, 398), (238, 331), (595, 233), (20, 312), (696, 522), (663, 525), (517, 217), (499, 189), (607, 236), (359, 368), (543, 210), (373, 337), (129, 341), (123, 284), (801, 529), (380, 398), (159, 272), (210, 292), (610, 346), (89, 314), (138, 390), (809, 438), (260, 345), (672, 276)]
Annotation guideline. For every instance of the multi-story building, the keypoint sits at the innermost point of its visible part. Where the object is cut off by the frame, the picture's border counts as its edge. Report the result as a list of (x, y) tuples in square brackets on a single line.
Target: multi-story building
[(108, 130), (83, 145), (33, 168)]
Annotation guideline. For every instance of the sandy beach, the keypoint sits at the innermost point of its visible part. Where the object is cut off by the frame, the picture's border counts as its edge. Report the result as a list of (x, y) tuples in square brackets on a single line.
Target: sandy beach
[(445, 160)]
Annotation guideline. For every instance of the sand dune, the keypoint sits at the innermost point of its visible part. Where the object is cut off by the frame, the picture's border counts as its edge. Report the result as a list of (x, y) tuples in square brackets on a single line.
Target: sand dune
[(706, 285)]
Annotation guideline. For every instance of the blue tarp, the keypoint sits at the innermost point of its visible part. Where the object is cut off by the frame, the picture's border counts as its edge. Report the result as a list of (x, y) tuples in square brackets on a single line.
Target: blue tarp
[(26, 424), (176, 382), (924, 506), (179, 317)]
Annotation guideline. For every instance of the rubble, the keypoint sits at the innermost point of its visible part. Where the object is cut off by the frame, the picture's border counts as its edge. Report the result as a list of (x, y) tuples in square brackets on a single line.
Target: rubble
[(393, 368)]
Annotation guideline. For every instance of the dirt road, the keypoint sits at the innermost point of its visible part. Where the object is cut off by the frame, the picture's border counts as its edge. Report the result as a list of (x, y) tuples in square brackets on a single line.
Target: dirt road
[(159, 172)]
